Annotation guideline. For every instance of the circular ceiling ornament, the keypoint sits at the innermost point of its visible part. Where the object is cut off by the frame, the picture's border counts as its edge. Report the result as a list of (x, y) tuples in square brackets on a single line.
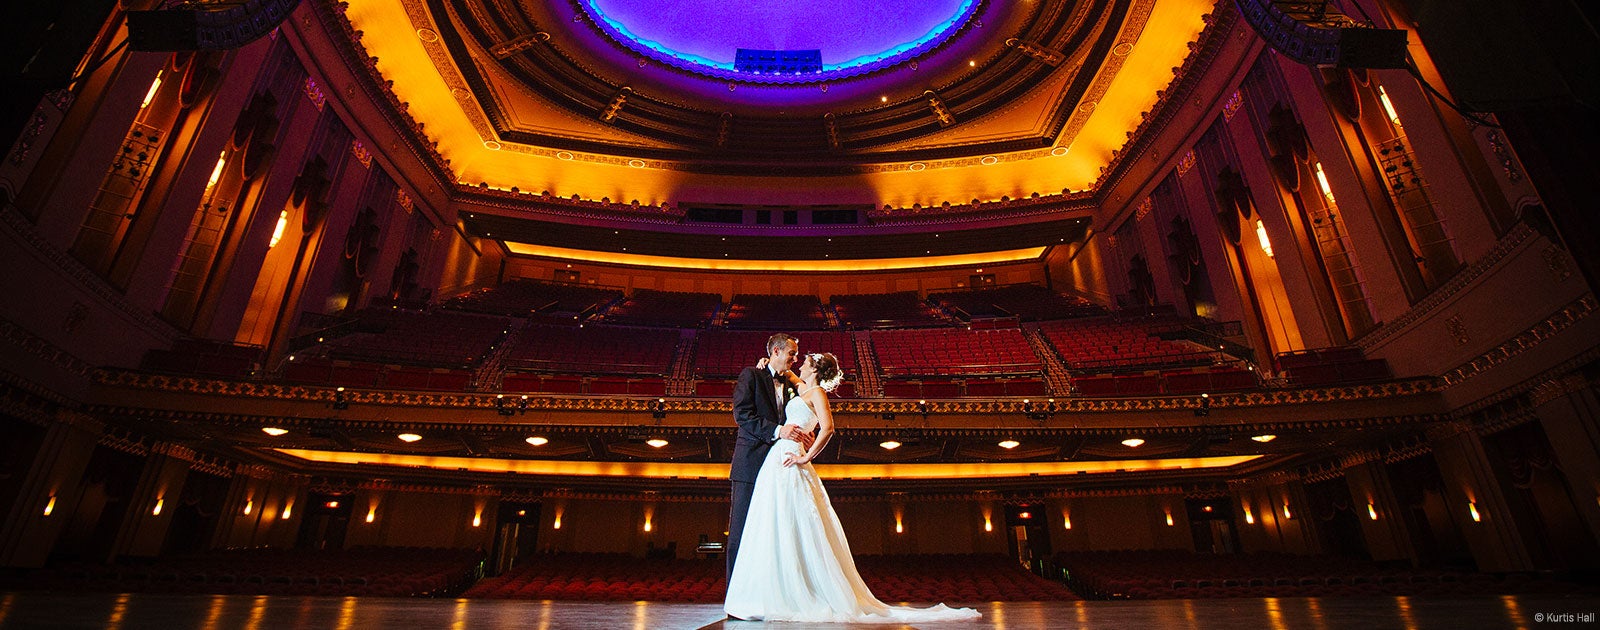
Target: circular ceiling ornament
[(1122, 49), (989, 160), (427, 35), (491, 145), (1058, 151), (563, 155), (781, 43)]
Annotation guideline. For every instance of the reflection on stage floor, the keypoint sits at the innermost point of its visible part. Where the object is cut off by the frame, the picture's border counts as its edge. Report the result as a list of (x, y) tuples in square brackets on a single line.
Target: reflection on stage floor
[(31, 609)]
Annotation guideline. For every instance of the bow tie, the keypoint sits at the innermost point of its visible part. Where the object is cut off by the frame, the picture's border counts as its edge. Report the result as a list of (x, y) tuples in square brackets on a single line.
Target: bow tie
[(779, 378)]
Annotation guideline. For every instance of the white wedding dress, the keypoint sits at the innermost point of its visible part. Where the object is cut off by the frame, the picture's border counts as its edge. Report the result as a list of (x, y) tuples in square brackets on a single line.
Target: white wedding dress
[(794, 563)]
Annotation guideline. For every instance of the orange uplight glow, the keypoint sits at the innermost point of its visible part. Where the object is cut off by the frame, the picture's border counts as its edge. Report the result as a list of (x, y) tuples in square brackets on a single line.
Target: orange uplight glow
[(372, 514), (286, 509), (660, 470), (724, 264), (51, 506), (249, 506), (157, 510)]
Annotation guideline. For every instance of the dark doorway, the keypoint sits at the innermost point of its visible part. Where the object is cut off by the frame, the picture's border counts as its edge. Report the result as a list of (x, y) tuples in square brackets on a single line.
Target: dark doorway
[(1028, 533), (327, 519), (516, 536)]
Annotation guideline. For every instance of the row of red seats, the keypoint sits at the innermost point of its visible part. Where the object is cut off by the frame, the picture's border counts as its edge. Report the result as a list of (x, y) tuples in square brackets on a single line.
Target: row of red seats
[(395, 572), (327, 372), (647, 307), (1029, 302), (594, 349), (523, 298), (519, 382), (775, 312), (1168, 382), (927, 387), (720, 352), (436, 338), (887, 310), (953, 351), (1101, 345)]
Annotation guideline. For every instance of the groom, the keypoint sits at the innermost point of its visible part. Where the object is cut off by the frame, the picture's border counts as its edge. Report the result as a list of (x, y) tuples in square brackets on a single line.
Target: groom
[(758, 401)]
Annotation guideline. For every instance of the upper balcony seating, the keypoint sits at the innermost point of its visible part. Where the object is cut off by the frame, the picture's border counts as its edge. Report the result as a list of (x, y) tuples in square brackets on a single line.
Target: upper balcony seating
[(1028, 302), (665, 309), (1321, 366), (1109, 345), (775, 312), (534, 298), (723, 353), (593, 349), (1175, 574), (887, 310), (362, 571), (953, 352), (204, 357), (446, 339)]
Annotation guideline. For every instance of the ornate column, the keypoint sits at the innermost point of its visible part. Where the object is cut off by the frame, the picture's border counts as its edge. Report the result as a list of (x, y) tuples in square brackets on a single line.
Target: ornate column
[(1569, 410), (1473, 495)]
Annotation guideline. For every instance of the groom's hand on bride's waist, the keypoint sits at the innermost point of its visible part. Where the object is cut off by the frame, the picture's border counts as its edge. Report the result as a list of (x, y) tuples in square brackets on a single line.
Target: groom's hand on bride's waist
[(792, 432)]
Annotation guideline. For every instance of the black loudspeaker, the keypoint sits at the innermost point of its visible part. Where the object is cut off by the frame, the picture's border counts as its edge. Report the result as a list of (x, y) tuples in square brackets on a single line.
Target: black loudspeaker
[(1324, 37), (215, 27)]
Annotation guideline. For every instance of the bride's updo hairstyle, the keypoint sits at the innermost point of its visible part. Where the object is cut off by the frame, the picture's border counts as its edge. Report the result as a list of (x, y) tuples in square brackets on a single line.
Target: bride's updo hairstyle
[(828, 373)]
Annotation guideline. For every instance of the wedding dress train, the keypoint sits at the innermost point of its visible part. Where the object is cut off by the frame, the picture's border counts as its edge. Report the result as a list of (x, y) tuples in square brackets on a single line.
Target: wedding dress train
[(794, 563)]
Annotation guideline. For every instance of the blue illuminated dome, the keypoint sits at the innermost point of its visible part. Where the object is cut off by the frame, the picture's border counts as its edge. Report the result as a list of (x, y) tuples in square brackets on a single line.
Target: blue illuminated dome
[(851, 36)]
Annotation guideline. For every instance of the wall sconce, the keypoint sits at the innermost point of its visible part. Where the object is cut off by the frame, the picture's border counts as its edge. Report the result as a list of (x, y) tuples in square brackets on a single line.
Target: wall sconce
[(155, 86), (1472, 508), (1169, 519), (287, 506), (1286, 513), (50, 506), (1388, 107), (249, 506), (157, 510), (988, 523), (1248, 517), (899, 525), (372, 514), (1372, 511), (339, 400), (557, 524), (1261, 236), (477, 519), (1066, 520)]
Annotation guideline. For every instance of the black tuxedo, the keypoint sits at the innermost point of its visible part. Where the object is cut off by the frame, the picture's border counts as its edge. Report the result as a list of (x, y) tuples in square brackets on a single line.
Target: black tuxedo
[(758, 412)]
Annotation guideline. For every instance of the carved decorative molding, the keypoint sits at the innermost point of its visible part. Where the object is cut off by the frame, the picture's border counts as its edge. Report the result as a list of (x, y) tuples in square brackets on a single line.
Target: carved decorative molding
[(1570, 314)]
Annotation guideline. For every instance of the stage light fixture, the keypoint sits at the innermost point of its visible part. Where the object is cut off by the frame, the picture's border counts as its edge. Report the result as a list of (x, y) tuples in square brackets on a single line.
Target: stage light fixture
[(273, 431), (1133, 442), (1009, 444), (409, 437), (339, 400), (537, 441), (889, 445), (1268, 437), (656, 442)]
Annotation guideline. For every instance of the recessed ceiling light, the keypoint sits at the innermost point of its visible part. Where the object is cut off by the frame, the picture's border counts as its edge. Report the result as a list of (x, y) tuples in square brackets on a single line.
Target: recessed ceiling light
[(1265, 438), (889, 445), (409, 437), (657, 442), (1132, 442), (537, 441), (883, 99), (273, 431), (1010, 444), (972, 64)]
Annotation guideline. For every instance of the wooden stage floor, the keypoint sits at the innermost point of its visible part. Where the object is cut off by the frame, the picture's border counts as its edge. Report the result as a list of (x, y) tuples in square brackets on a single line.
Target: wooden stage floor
[(33, 609)]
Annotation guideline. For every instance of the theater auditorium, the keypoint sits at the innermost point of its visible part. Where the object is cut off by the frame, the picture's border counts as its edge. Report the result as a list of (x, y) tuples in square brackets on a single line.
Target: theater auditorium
[(1151, 313)]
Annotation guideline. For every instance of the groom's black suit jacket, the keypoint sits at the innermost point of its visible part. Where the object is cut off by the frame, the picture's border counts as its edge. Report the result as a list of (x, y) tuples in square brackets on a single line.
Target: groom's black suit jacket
[(755, 408)]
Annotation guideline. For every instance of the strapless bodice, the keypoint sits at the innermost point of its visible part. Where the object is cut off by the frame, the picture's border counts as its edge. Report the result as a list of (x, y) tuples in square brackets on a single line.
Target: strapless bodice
[(798, 413)]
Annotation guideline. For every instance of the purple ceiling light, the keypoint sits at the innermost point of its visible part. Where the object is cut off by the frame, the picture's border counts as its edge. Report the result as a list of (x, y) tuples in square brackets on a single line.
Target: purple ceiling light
[(853, 36)]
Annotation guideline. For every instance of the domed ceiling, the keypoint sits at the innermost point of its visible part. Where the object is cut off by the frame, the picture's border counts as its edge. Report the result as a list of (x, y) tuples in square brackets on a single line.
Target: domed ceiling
[(842, 102)]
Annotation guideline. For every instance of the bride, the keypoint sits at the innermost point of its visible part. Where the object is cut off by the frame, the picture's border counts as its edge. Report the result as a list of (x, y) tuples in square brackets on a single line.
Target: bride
[(794, 563)]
